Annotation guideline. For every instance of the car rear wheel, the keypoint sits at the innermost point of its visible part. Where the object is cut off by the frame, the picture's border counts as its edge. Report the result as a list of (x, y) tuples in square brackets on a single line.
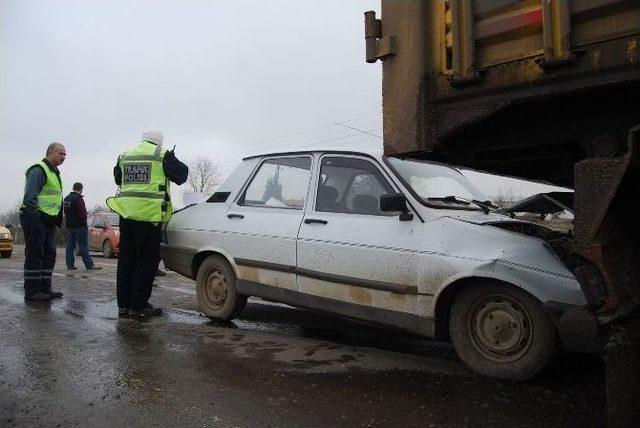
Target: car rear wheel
[(5, 254), (501, 331), (107, 250), (216, 290)]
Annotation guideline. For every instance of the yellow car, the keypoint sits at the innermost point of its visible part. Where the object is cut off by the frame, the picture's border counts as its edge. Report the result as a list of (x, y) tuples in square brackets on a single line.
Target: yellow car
[(6, 242)]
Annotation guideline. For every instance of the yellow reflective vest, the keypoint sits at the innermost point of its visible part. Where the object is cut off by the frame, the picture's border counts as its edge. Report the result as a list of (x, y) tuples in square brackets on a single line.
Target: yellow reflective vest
[(50, 197), (143, 194)]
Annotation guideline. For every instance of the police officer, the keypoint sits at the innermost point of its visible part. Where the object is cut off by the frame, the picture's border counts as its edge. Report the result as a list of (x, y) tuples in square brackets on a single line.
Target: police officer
[(40, 214), (143, 175)]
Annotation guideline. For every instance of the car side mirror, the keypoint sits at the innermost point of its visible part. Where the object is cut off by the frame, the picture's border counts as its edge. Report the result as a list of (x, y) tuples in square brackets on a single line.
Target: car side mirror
[(396, 202)]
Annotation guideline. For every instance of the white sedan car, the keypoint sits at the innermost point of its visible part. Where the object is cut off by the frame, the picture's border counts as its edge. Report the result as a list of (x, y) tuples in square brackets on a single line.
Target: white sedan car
[(390, 240)]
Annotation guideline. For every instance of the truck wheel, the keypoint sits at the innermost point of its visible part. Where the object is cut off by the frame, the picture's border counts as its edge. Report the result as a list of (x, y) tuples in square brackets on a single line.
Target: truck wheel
[(107, 250), (5, 254), (216, 290), (501, 331)]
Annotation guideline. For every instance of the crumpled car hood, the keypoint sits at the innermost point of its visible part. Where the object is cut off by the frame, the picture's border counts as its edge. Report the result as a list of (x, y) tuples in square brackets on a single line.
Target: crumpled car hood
[(516, 242)]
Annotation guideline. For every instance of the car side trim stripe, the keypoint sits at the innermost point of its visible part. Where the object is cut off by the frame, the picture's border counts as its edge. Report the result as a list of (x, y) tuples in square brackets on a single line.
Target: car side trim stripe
[(359, 282), (376, 285), (265, 265)]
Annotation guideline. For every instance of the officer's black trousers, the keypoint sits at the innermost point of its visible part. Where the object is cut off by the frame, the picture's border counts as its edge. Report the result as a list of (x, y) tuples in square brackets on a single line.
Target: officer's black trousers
[(138, 262), (39, 253)]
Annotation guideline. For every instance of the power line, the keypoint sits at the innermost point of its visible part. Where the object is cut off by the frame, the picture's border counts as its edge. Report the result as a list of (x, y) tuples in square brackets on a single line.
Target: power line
[(238, 147), (359, 130), (311, 140)]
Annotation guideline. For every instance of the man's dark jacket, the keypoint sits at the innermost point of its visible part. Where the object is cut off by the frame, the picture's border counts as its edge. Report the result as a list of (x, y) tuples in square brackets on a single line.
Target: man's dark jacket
[(75, 213)]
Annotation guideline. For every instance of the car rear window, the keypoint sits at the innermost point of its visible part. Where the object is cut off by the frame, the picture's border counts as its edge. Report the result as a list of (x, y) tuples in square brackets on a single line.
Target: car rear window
[(279, 183)]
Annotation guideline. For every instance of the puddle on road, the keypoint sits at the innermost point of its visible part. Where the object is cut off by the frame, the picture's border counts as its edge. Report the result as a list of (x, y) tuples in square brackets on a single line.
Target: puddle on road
[(260, 316)]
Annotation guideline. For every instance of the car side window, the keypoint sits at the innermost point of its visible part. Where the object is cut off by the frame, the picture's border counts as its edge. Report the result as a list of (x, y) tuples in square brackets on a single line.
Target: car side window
[(279, 183), (99, 222), (113, 220), (352, 186), (90, 221)]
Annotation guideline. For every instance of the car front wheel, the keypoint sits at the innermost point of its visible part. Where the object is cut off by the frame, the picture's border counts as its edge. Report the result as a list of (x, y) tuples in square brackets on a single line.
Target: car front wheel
[(5, 254), (501, 331), (216, 290)]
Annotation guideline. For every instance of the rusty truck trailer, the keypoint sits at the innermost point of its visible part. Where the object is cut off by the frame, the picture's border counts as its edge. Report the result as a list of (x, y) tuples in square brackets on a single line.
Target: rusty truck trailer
[(547, 90), (558, 68)]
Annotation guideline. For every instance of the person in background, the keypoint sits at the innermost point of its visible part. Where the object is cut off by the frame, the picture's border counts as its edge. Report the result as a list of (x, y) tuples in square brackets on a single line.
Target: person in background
[(75, 214), (40, 215), (143, 175)]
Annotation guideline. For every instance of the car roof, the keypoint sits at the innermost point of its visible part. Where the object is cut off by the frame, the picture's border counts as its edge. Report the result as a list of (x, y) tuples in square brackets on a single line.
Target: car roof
[(372, 153), (366, 152)]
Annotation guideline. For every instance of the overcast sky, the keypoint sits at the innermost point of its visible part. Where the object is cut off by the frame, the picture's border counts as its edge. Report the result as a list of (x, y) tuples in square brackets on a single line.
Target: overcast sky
[(221, 78)]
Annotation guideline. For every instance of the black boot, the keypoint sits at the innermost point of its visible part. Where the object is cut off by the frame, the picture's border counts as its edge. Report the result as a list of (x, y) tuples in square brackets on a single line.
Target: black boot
[(145, 312), (38, 297)]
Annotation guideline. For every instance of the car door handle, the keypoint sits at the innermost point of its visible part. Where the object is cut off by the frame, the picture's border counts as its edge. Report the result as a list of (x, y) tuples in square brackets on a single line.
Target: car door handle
[(315, 220), (240, 216)]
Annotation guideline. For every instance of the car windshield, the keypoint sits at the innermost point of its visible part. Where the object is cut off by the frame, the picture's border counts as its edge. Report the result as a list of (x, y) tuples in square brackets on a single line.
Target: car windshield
[(114, 220), (437, 184)]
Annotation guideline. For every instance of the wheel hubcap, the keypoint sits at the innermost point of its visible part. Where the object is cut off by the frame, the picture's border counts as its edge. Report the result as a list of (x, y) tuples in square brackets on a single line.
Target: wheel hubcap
[(216, 288), (501, 328)]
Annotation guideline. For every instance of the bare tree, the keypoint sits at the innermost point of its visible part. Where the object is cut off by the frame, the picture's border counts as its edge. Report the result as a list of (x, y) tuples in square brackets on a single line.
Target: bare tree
[(11, 216), (505, 199), (203, 174)]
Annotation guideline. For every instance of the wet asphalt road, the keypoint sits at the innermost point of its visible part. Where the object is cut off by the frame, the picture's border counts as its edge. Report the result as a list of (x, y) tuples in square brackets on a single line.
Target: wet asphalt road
[(73, 362)]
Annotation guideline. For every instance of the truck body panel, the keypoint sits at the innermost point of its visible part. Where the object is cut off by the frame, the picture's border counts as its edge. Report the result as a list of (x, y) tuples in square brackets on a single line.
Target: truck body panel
[(545, 90)]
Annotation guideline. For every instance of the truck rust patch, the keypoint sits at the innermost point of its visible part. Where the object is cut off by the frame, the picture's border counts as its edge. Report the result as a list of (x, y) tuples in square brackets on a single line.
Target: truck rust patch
[(633, 47)]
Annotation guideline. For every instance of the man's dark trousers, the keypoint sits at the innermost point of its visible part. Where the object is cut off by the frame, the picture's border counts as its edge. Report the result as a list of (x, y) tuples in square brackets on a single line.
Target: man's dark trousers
[(138, 262), (40, 253), (78, 235)]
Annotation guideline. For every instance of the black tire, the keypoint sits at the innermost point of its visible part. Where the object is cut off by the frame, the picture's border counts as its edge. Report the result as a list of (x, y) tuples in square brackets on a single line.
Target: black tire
[(501, 331), (5, 254), (216, 290), (107, 250)]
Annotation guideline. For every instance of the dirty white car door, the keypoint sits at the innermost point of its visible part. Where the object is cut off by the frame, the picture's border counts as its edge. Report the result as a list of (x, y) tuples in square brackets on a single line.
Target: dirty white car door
[(351, 253), (263, 222)]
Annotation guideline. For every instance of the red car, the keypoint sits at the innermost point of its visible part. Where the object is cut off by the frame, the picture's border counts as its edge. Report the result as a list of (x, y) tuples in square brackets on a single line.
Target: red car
[(104, 233)]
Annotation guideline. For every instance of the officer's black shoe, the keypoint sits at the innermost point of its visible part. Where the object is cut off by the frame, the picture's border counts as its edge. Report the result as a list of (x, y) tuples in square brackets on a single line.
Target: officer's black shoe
[(55, 294), (147, 311), (94, 268), (123, 312), (38, 297), (72, 268), (154, 311)]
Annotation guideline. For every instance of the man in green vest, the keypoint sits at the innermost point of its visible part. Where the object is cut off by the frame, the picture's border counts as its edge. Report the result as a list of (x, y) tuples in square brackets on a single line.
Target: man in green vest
[(143, 175), (40, 215)]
